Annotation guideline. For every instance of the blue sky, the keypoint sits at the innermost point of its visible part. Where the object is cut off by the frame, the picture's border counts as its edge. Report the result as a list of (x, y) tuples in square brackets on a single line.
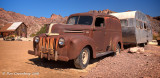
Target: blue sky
[(44, 8)]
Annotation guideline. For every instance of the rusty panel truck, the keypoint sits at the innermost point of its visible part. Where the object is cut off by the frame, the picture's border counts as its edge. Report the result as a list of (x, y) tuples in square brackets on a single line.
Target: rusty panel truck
[(84, 36)]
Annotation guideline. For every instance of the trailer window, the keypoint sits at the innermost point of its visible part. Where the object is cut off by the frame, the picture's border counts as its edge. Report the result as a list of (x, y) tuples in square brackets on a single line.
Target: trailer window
[(137, 24), (141, 24), (145, 26), (124, 22), (99, 22)]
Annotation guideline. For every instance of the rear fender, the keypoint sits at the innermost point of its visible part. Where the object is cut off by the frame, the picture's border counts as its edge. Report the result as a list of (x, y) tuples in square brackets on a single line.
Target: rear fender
[(116, 40)]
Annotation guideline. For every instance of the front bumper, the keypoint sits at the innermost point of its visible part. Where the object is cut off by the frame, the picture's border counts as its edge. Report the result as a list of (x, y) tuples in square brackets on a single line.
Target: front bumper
[(47, 48), (49, 57)]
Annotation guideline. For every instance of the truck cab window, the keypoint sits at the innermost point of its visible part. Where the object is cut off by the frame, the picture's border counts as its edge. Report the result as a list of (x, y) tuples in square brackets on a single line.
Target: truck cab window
[(73, 20), (99, 22), (85, 20), (81, 20)]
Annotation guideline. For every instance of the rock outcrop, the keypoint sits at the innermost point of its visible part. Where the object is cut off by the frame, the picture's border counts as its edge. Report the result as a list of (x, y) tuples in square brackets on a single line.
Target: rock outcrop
[(107, 11)]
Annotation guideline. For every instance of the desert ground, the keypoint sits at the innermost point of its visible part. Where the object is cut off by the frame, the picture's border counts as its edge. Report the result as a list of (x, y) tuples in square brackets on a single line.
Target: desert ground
[(15, 62)]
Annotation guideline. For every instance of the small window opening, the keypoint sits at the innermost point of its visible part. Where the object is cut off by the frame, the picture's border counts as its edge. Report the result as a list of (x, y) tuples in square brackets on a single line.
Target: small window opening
[(145, 27), (99, 22), (141, 24)]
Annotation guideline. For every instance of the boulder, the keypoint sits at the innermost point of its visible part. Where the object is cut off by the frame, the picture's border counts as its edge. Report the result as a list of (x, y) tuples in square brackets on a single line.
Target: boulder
[(136, 49)]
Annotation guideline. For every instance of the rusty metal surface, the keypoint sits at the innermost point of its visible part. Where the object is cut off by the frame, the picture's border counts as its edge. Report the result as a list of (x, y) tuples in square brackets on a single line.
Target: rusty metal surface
[(98, 39)]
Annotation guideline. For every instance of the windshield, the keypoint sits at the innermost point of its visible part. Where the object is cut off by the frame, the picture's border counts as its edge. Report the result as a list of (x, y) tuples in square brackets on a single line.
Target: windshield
[(83, 20)]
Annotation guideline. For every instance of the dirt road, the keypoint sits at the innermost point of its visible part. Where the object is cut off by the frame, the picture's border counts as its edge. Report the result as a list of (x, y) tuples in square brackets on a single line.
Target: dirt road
[(16, 62)]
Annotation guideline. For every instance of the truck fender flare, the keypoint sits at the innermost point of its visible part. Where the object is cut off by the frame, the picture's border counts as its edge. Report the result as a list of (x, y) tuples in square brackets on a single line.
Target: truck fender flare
[(115, 42)]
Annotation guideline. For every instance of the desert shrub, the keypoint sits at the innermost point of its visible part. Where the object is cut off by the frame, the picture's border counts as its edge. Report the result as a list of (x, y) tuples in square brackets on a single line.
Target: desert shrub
[(32, 35), (42, 30)]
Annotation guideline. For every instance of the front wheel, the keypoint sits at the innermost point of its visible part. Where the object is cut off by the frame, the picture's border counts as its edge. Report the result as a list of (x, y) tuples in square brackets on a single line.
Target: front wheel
[(82, 60)]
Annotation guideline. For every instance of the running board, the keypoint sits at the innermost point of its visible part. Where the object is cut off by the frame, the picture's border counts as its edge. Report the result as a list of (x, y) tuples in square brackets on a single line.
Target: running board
[(103, 53)]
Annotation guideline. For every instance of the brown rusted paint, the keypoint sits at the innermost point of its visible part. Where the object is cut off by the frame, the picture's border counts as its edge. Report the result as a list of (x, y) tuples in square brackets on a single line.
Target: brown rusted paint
[(99, 39), (40, 44)]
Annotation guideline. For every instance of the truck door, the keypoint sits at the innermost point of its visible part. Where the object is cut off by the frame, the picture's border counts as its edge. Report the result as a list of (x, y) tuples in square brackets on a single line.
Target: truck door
[(99, 33)]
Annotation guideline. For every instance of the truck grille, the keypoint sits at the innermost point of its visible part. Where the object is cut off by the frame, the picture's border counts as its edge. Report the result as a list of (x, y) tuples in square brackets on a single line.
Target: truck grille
[(47, 44)]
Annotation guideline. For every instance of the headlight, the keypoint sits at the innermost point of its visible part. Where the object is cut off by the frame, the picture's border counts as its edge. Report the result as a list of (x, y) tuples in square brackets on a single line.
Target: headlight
[(36, 39), (61, 41)]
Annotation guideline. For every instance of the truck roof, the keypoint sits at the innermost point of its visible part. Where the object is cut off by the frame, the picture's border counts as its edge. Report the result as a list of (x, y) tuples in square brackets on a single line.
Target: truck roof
[(93, 14)]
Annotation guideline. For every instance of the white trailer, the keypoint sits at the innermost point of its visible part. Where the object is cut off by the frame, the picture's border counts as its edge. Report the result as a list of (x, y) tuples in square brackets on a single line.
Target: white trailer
[(136, 28)]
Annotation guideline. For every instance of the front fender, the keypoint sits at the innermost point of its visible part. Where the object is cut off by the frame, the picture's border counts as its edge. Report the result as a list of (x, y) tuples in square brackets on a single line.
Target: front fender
[(77, 43)]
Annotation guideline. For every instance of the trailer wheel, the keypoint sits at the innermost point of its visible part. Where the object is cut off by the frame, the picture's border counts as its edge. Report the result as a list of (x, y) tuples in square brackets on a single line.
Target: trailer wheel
[(82, 60), (146, 43), (142, 45), (118, 50)]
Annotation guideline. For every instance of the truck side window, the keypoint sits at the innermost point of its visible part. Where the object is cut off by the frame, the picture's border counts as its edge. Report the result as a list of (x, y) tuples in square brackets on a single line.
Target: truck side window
[(99, 21), (124, 22)]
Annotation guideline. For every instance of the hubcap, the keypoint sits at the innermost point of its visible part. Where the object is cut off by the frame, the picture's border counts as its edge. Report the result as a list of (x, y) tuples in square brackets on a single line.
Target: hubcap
[(84, 56)]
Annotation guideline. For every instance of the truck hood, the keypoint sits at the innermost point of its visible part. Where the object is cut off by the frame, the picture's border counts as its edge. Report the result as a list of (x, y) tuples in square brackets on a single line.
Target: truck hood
[(66, 28)]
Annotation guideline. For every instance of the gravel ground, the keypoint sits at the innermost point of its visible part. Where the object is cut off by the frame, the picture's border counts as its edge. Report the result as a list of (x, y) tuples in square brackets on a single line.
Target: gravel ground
[(16, 62), (129, 65)]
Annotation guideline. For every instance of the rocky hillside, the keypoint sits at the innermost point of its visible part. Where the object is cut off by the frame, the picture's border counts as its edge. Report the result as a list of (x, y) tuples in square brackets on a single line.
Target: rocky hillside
[(34, 24), (155, 23), (157, 18)]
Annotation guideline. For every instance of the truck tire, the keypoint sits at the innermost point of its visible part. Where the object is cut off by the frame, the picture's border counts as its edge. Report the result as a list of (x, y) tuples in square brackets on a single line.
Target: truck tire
[(82, 60), (118, 50)]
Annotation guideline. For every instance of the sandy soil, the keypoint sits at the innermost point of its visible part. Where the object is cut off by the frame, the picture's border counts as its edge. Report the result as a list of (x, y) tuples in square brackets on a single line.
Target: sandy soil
[(16, 62)]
